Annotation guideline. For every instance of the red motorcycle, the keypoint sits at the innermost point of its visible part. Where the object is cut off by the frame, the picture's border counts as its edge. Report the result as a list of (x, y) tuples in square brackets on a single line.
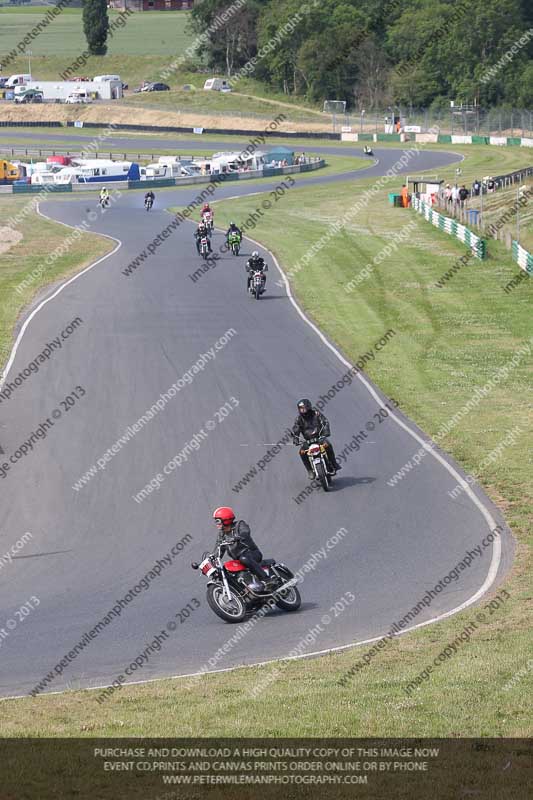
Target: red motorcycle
[(229, 589)]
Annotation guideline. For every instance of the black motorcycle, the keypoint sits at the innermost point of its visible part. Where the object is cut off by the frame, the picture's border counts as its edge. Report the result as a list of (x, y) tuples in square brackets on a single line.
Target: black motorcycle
[(148, 203), (229, 589)]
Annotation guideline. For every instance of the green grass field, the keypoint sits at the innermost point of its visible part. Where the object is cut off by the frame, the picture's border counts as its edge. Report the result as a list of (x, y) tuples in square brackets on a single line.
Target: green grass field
[(448, 341), (140, 50), (142, 34)]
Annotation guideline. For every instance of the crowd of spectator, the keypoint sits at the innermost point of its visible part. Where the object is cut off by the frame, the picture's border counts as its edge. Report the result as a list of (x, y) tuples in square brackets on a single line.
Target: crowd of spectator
[(456, 196)]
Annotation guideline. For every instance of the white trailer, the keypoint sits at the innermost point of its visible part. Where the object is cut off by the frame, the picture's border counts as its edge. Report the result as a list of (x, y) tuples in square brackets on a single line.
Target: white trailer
[(60, 90)]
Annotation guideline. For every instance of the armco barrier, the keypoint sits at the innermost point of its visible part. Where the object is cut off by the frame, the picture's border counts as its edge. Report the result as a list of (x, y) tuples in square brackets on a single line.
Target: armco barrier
[(151, 184), (477, 245), (29, 188), (206, 131), (39, 124), (522, 258)]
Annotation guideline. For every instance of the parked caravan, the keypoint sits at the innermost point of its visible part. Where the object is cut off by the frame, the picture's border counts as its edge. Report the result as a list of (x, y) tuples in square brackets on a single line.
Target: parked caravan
[(217, 85), (17, 80), (98, 170), (101, 78), (171, 169), (233, 162)]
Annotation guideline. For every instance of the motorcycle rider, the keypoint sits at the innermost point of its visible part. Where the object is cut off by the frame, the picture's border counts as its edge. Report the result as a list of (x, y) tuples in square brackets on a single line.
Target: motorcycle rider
[(238, 542), (149, 196), (308, 423), (207, 210), (233, 228), (199, 233), (255, 263), (104, 196)]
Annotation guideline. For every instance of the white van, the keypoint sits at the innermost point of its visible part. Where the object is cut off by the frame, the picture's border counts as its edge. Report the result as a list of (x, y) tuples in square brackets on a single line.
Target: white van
[(17, 80), (79, 97), (217, 85), (102, 78)]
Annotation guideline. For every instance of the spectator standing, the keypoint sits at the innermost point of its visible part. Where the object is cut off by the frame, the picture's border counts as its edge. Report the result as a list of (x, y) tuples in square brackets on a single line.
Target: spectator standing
[(455, 196)]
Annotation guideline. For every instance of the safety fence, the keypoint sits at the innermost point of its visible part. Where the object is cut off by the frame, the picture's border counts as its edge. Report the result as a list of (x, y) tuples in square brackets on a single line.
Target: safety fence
[(522, 258), (448, 225), (437, 138)]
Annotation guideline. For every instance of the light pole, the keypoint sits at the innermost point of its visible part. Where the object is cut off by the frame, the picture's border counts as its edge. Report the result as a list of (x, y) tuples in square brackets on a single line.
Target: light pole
[(362, 117)]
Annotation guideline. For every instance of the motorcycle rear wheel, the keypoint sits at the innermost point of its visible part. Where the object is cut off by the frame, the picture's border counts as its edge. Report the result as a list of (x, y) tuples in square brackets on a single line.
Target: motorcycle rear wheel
[(235, 611)]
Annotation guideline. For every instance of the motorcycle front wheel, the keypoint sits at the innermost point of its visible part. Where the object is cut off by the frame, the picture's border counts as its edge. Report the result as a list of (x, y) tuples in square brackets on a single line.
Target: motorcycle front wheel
[(257, 292), (233, 610), (322, 475), (290, 600)]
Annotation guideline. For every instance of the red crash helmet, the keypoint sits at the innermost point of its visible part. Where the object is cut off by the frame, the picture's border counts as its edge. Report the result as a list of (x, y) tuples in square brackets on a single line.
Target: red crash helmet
[(224, 515)]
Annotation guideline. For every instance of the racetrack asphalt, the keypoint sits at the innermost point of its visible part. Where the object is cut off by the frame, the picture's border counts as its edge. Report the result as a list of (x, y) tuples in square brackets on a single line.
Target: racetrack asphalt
[(89, 547)]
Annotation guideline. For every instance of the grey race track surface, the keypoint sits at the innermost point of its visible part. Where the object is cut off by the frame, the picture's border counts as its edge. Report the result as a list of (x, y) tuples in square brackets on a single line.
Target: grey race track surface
[(90, 547)]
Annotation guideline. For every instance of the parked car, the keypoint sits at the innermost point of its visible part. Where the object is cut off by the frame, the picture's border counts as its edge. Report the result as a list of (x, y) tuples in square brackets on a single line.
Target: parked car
[(3, 80), (141, 87), (156, 87)]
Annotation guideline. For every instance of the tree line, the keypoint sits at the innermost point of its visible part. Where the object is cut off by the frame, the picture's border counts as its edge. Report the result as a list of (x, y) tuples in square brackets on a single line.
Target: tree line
[(372, 53)]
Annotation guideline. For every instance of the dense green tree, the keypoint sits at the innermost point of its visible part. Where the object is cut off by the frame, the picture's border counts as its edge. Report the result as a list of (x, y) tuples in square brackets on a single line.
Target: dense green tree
[(374, 53), (95, 26), (226, 34)]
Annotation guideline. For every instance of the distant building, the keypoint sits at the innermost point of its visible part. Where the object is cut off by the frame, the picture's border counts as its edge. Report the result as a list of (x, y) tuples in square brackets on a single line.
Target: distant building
[(152, 5)]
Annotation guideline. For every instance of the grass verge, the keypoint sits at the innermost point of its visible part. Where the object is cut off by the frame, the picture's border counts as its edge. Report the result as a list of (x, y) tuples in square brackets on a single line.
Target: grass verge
[(40, 238), (449, 341)]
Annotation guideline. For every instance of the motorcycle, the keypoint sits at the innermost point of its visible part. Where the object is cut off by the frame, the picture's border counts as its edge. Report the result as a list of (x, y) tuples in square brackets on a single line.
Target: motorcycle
[(368, 151), (257, 284), (317, 455), (234, 241), (148, 203), (104, 202), (229, 589), (204, 247), (207, 219)]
